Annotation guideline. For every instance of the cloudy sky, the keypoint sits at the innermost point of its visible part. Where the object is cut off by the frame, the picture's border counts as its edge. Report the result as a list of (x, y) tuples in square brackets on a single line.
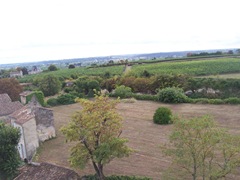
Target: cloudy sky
[(60, 29)]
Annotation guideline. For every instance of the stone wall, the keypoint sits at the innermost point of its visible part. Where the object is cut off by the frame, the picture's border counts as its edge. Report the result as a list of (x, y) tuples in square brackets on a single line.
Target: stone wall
[(44, 117), (31, 137)]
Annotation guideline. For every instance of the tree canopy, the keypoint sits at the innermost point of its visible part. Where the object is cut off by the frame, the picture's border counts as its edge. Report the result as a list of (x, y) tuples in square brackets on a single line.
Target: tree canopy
[(52, 68), (96, 129), (49, 85), (12, 87), (200, 149), (9, 157)]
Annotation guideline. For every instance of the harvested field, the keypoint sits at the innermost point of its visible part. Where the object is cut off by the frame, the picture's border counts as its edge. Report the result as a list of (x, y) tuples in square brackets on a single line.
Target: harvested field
[(144, 136)]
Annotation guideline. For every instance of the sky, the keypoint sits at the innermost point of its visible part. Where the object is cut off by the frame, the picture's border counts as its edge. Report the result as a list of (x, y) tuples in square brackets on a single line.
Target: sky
[(61, 29)]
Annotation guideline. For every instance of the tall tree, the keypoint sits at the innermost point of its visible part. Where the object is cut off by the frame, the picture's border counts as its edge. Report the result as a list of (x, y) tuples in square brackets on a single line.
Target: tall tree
[(201, 150), (9, 157), (49, 85), (96, 129), (52, 67), (10, 86)]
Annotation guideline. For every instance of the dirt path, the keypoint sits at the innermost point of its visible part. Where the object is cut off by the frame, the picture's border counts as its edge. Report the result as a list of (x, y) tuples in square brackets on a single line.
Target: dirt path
[(127, 69), (144, 136)]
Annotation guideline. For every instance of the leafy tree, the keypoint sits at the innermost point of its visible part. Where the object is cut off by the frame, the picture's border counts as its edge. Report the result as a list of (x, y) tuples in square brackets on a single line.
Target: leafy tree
[(10, 86), (24, 70), (9, 157), (71, 66), (96, 129), (52, 68), (201, 150), (49, 85), (123, 91)]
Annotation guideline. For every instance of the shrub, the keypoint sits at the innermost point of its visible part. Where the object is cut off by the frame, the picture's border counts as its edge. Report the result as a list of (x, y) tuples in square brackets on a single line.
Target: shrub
[(52, 102), (216, 101), (162, 115), (123, 91), (172, 95), (66, 99), (232, 100), (145, 97)]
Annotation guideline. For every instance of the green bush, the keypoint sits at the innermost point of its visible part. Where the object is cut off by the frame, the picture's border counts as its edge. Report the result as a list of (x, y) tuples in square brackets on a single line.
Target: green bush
[(172, 95), (145, 97), (66, 99), (52, 102), (200, 101), (163, 115), (232, 100), (216, 101), (123, 92), (39, 95)]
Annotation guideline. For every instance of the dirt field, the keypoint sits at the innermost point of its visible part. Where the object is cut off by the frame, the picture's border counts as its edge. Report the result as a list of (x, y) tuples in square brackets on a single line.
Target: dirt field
[(144, 136)]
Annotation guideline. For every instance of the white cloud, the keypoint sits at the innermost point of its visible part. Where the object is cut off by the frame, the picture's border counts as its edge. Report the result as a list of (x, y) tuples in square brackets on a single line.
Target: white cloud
[(40, 30)]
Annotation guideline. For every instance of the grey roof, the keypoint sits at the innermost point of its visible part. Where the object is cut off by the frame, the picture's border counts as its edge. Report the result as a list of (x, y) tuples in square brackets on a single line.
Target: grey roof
[(7, 106), (4, 98), (46, 171)]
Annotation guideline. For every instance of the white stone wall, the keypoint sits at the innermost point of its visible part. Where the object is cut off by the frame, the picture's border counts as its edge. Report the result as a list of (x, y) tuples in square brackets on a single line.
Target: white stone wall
[(21, 144), (30, 137)]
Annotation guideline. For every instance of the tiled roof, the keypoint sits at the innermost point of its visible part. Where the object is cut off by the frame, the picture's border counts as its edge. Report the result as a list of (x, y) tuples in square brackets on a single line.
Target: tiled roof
[(46, 171), (4, 98), (22, 115), (7, 106)]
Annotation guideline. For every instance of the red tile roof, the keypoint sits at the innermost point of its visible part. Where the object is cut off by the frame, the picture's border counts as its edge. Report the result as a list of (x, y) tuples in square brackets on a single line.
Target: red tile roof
[(22, 115)]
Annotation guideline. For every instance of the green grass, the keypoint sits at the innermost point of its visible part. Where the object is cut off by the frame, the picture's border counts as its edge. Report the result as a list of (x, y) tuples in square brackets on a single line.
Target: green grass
[(66, 73), (197, 67), (223, 76)]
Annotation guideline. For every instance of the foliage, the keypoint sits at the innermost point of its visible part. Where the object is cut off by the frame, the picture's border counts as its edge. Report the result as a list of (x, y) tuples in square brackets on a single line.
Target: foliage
[(9, 157), (200, 149), (12, 87), (110, 83), (49, 85), (39, 95), (77, 72), (232, 100), (52, 102), (96, 129), (66, 99), (52, 68), (123, 91), (171, 95), (71, 66), (87, 86), (162, 115), (197, 67)]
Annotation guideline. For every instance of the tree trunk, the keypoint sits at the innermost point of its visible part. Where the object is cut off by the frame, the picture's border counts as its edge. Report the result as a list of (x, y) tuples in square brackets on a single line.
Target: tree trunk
[(100, 169)]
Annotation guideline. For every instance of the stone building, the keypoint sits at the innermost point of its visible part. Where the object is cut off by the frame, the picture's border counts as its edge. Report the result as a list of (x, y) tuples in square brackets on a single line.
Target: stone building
[(7, 107), (36, 124)]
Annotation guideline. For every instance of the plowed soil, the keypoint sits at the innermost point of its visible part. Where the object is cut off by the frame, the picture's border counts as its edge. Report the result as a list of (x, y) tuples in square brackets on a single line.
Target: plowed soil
[(144, 136)]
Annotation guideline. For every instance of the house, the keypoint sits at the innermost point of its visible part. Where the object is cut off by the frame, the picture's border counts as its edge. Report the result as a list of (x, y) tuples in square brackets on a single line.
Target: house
[(7, 107), (24, 119), (47, 171), (36, 125), (16, 74)]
